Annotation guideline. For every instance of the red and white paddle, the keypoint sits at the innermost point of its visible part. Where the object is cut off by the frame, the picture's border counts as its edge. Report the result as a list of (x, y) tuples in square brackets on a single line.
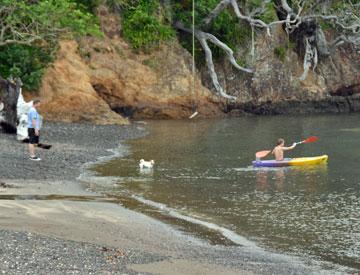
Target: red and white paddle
[(262, 154)]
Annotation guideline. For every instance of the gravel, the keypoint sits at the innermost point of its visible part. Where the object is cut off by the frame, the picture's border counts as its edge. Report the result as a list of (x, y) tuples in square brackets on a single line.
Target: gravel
[(73, 146), (35, 254)]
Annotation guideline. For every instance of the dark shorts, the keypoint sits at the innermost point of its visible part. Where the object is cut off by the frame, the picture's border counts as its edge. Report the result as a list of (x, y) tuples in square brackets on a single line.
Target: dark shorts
[(33, 139)]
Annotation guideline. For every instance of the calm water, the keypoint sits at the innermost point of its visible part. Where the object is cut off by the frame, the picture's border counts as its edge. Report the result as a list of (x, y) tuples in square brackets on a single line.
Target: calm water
[(203, 171)]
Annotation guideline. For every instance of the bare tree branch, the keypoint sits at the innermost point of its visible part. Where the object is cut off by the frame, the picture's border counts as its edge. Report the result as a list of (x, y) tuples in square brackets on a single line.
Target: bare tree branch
[(215, 12), (286, 7), (203, 38)]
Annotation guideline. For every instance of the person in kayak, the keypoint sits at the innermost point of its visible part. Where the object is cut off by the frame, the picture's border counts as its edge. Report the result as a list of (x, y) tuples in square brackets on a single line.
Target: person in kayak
[(278, 151)]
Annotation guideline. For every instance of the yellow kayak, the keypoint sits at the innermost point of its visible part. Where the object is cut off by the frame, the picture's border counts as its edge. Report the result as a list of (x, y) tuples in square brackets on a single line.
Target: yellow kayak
[(291, 161)]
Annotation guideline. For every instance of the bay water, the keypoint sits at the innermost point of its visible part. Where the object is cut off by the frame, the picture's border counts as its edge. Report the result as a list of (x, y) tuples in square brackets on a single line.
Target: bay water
[(203, 172)]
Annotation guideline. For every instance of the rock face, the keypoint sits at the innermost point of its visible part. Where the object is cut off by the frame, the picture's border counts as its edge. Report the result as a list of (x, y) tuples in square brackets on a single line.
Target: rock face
[(275, 87), (102, 80), (67, 93), (156, 85)]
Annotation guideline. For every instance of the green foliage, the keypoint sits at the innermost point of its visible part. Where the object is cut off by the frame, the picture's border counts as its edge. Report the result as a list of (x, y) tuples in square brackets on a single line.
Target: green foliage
[(88, 5), (280, 52), (120, 5), (269, 14), (49, 19), (28, 62), (225, 27), (114, 5), (242, 61), (142, 26), (152, 63), (326, 25), (36, 27), (67, 16)]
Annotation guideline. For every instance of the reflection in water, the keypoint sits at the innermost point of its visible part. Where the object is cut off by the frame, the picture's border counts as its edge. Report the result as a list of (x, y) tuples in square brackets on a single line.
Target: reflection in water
[(264, 179), (203, 171), (146, 171), (275, 179), (279, 179)]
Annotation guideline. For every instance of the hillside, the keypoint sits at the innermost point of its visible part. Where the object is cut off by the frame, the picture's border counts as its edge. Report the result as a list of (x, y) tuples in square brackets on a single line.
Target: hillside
[(132, 58)]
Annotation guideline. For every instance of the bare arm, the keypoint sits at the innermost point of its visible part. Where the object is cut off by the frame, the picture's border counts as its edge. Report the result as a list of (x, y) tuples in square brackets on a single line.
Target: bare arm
[(289, 148), (35, 127)]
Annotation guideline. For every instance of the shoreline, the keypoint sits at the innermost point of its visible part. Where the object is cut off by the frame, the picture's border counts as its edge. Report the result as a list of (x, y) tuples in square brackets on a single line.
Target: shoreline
[(63, 213)]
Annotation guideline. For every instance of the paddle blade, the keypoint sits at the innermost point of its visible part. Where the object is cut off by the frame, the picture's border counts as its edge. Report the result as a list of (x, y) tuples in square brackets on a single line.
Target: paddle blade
[(262, 154), (310, 139)]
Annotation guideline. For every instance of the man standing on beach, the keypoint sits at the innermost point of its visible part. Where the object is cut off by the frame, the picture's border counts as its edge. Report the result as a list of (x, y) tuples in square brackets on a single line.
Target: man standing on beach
[(34, 125)]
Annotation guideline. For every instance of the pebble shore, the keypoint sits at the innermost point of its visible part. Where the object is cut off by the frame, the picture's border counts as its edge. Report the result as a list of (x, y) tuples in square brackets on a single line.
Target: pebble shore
[(73, 145), (28, 253), (67, 237)]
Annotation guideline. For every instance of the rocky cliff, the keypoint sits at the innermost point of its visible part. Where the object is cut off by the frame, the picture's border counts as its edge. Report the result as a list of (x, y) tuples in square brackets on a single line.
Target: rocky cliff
[(103, 80), (275, 88)]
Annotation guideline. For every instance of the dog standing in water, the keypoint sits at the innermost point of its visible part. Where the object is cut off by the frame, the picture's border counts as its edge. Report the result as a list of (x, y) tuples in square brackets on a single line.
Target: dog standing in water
[(146, 164)]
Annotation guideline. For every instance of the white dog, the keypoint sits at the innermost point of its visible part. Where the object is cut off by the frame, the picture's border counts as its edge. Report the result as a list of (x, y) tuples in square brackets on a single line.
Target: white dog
[(146, 164)]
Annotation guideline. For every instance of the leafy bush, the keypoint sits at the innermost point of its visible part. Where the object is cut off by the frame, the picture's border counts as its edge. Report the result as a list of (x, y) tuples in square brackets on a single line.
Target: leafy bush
[(45, 20), (88, 5), (225, 27), (143, 28), (120, 5), (27, 62), (280, 52)]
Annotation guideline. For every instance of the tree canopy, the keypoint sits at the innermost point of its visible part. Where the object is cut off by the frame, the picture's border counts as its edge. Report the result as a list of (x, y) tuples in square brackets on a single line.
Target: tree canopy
[(303, 21), (222, 26), (30, 30)]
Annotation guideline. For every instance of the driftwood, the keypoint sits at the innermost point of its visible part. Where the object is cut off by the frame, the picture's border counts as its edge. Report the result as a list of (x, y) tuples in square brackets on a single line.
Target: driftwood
[(9, 94)]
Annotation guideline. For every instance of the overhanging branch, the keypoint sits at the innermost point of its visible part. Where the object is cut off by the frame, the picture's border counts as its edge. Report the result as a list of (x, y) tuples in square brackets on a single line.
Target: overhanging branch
[(203, 38)]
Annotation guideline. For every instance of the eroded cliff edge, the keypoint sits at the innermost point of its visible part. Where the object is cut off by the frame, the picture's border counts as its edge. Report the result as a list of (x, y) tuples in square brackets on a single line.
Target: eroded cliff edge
[(275, 87), (103, 80)]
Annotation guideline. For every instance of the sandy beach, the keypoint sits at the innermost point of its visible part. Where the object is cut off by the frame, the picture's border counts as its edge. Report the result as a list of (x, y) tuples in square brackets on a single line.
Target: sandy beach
[(50, 222)]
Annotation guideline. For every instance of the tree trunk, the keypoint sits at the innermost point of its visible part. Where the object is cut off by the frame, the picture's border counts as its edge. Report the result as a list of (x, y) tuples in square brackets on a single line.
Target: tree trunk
[(9, 94)]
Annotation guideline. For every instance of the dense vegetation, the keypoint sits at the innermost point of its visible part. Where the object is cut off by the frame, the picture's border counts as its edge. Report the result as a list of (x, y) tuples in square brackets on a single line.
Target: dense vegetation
[(31, 28), (30, 34)]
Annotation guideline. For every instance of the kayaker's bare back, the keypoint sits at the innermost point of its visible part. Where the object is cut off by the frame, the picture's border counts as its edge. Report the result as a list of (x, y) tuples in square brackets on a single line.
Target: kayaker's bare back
[(278, 151)]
